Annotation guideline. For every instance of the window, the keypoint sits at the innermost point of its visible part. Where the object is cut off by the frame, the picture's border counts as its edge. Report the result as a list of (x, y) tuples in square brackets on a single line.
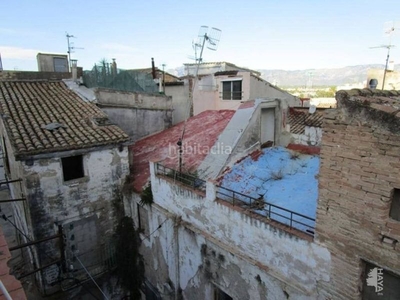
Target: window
[(379, 283), (395, 206), (221, 295), (232, 90), (60, 64), (72, 167), (143, 219)]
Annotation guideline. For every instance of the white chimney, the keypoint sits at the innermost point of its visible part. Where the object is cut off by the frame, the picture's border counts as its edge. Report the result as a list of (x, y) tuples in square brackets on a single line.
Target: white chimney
[(74, 69)]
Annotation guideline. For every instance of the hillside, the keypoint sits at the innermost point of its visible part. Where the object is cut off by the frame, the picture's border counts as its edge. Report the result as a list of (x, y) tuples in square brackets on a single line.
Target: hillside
[(319, 77)]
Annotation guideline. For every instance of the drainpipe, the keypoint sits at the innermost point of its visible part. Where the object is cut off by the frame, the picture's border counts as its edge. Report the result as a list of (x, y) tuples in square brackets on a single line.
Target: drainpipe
[(177, 275)]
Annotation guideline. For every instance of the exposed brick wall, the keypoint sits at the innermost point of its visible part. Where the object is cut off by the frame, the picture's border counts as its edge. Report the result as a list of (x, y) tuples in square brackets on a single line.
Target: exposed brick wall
[(360, 166)]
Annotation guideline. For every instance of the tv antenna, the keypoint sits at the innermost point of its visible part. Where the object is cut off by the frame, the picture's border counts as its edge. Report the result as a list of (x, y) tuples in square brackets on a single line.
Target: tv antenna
[(209, 37), (391, 28), (70, 48), (387, 60)]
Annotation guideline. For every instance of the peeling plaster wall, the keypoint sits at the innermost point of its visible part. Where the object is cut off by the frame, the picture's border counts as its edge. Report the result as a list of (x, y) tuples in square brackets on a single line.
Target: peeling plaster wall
[(180, 101), (283, 262), (312, 137), (74, 203)]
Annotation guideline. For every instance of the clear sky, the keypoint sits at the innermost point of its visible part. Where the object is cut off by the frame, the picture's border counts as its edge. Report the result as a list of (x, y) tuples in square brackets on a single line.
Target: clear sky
[(264, 34)]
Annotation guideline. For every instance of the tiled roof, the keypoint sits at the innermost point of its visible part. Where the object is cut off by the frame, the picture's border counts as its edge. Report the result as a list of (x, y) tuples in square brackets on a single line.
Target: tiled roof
[(300, 118), (201, 133), (27, 107)]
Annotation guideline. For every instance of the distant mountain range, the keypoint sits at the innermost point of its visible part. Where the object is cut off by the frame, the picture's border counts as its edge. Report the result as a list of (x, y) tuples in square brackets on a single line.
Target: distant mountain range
[(318, 77)]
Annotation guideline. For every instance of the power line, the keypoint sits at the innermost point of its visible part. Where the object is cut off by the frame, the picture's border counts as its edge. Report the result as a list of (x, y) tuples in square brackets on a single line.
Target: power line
[(94, 281), (159, 226)]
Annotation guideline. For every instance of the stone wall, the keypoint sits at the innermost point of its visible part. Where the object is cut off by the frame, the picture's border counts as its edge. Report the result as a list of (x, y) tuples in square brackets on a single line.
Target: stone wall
[(360, 166)]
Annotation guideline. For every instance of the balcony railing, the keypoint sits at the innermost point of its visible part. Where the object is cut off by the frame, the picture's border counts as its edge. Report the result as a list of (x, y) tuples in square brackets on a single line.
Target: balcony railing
[(269, 210), (187, 179), (259, 206)]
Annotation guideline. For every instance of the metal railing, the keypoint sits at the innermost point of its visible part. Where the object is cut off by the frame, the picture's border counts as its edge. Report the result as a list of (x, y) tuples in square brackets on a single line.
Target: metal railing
[(187, 179), (260, 206), (269, 210)]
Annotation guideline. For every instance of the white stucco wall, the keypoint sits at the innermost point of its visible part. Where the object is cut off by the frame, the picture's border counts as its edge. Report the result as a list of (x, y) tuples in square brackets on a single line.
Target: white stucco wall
[(252, 88), (311, 137), (260, 88), (284, 261)]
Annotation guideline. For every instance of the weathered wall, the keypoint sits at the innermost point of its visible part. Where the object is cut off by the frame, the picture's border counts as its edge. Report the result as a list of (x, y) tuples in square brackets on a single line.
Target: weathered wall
[(139, 123), (139, 115), (252, 88), (204, 98), (84, 206), (392, 79), (133, 100), (312, 136), (27, 75), (284, 262), (180, 101), (46, 61), (359, 168)]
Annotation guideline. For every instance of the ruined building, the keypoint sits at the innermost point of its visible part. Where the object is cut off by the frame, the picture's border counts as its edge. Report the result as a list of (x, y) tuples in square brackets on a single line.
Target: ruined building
[(273, 223), (358, 216), (68, 162)]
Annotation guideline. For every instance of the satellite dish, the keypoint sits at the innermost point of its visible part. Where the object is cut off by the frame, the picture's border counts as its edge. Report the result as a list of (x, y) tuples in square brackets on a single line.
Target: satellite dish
[(312, 109)]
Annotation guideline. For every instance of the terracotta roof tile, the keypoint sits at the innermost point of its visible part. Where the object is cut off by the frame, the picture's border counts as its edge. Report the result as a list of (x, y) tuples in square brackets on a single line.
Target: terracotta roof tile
[(201, 133), (28, 106), (300, 118)]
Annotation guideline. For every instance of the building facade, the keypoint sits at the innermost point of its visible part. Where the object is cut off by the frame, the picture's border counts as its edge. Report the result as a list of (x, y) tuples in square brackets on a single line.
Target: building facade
[(72, 163), (358, 210)]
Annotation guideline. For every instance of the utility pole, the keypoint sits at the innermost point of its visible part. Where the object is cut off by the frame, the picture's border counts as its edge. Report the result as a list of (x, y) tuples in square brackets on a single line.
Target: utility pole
[(163, 74), (387, 61)]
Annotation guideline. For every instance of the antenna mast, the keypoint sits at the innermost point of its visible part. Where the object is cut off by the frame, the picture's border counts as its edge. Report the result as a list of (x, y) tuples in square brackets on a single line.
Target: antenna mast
[(70, 48), (210, 37), (390, 29)]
